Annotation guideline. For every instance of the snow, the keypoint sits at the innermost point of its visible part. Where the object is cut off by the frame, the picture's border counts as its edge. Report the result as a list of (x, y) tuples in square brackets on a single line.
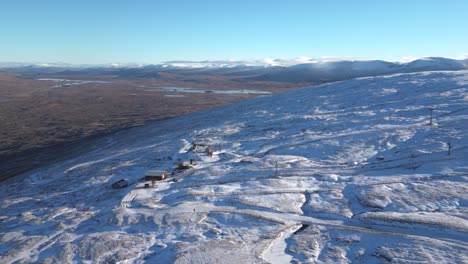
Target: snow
[(350, 171), (329, 63), (276, 252)]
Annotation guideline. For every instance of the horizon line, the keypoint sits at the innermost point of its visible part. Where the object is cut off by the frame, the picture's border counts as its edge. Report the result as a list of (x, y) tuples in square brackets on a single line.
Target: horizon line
[(247, 62)]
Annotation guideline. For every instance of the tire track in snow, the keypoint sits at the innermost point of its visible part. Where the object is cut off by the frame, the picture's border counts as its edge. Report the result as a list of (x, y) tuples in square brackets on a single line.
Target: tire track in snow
[(291, 219)]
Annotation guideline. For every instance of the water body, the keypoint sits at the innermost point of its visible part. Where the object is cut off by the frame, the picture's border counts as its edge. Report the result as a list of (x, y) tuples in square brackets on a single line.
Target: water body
[(67, 82), (175, 95), (190, 90)]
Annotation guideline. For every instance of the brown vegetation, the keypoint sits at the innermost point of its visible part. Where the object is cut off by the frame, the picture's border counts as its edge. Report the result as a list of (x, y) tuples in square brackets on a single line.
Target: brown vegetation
[(33, 115)]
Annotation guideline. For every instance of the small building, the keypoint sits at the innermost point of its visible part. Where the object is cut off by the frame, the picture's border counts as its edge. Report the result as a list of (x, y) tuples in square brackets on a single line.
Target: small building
[(154, 176), (120, 184), (183, 166), (197, 147)]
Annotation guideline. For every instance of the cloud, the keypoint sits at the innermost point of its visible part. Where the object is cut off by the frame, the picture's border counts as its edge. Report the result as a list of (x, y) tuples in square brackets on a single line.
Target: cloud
[(464, 56), (407, 59), (284, 62), (255, 62)]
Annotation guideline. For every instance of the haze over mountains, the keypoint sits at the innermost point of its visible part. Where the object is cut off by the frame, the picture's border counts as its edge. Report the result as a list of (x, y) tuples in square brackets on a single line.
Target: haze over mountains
[(280, 70)]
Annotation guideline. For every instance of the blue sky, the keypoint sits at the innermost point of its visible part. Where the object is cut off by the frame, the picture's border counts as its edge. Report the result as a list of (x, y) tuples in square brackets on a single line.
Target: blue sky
[(153, 31)]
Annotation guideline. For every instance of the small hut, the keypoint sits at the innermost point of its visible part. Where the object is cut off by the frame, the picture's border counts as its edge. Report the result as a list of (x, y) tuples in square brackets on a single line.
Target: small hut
[(154, 175), (120, 184), (197, 147)]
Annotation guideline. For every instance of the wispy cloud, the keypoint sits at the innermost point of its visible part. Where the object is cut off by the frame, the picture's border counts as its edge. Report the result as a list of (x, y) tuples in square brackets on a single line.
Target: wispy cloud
[(257, 62), (407, 59), (464, 56)]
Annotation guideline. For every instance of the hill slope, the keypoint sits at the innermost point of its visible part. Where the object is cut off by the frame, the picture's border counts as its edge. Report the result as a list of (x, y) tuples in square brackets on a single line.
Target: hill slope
[(348, 171), (329, 71)]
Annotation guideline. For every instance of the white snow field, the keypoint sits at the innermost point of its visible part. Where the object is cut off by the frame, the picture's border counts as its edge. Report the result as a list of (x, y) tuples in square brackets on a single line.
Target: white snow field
[(347, 172)]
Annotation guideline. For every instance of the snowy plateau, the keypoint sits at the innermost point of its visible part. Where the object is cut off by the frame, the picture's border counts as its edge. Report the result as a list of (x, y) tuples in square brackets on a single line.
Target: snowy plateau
[(347, 172)]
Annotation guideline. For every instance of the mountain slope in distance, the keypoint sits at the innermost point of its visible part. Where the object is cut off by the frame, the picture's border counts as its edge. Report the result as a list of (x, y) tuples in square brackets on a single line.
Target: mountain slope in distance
[(342, 70)]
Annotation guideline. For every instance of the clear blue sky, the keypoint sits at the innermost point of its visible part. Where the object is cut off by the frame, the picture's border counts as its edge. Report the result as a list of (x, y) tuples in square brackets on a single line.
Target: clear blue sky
[(153, 31)]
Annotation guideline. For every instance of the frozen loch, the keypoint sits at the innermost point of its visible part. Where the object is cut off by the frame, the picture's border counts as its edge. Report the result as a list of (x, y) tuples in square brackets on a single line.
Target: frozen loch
[(370, 170)]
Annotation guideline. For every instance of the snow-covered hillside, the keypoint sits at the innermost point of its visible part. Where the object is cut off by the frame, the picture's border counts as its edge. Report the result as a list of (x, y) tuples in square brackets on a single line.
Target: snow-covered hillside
[(344, 172), (327, 71)]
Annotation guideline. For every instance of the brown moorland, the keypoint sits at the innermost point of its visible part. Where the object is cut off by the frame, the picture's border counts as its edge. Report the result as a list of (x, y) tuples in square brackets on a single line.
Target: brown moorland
[(43, 120)]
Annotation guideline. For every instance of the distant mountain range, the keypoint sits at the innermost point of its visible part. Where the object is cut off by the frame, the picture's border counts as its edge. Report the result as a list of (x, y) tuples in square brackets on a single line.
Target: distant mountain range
[(342, 70), (310, 71)]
